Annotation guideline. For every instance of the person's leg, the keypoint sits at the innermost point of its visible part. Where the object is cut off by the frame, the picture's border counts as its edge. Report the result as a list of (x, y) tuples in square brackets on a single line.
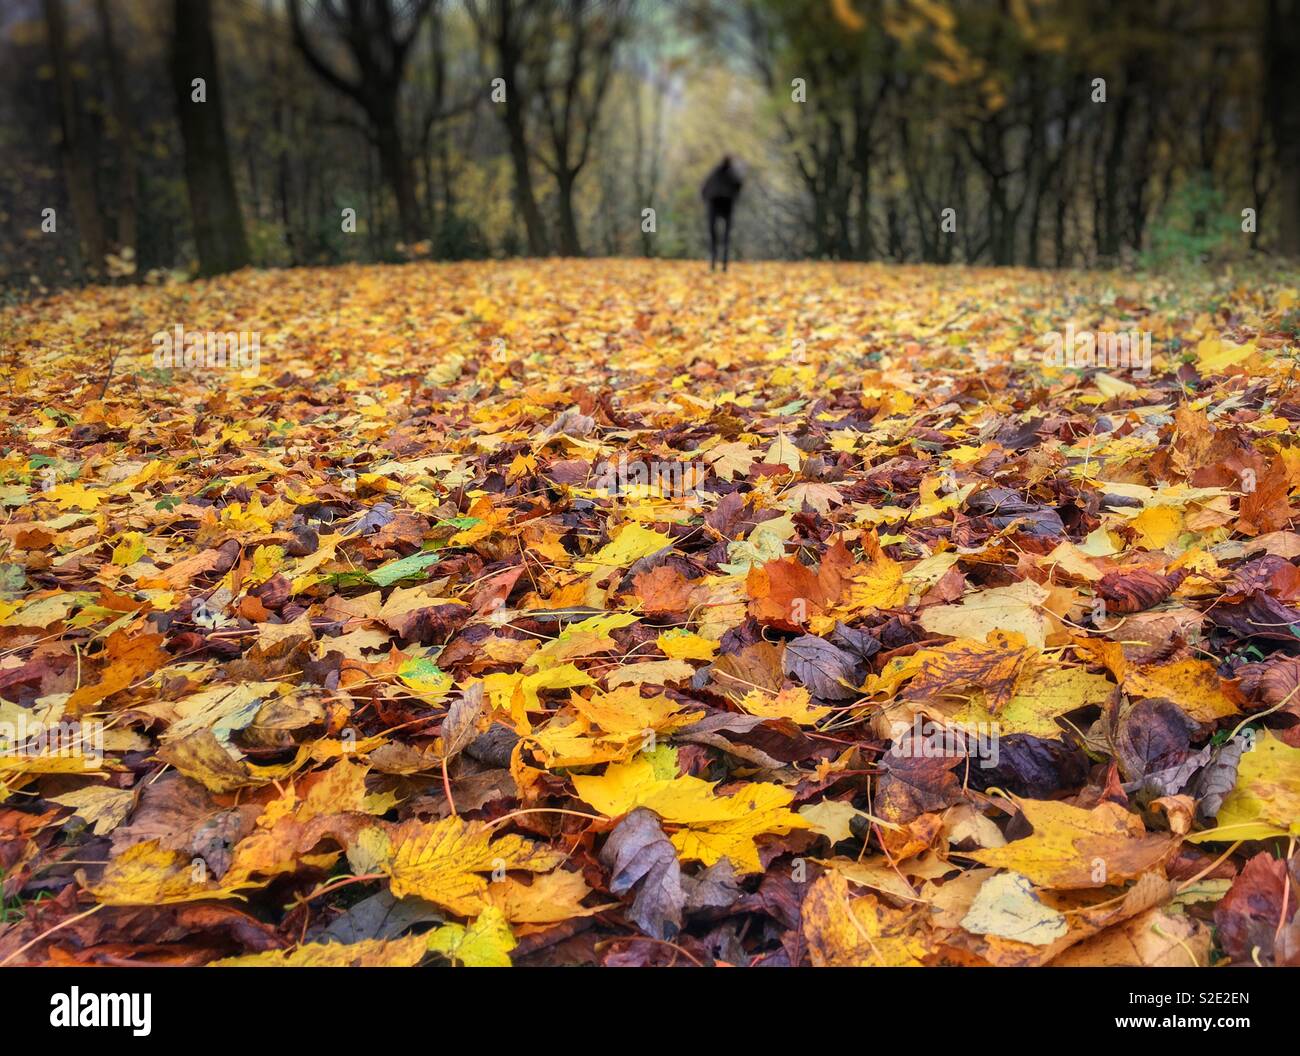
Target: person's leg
[(726, 239), (713, 237)]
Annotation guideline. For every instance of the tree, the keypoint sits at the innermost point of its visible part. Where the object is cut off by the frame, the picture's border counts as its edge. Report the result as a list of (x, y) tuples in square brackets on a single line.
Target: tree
[(509, 29), (214, 205), (1282, 106), (378, 39), (574, 78), (78, 168), (127, 212), (648, 142)]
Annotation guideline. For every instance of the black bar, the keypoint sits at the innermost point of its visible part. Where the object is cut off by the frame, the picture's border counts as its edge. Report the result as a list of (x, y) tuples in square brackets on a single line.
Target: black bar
[(1021, 1008)]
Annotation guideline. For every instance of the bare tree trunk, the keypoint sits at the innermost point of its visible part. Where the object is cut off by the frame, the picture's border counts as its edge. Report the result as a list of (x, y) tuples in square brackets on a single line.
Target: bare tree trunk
[(380, 50), (214, 206), (502, 26), (525, 196), (1114, 170), (569, 244), (396, 165), (646, 156), (78, 170), (283, 176), (127, 208), (1282, 106)]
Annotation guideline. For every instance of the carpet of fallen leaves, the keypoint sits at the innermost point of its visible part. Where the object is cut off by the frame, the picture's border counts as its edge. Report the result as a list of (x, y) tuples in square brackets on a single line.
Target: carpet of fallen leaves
[(616, 612)]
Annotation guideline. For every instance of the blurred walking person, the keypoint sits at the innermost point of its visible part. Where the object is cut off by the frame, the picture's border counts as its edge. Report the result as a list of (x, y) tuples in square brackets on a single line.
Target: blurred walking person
[(720, 191)]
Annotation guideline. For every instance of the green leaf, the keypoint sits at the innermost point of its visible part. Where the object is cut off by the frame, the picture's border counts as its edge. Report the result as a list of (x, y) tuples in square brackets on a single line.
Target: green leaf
[(484, 944), (405, 568)]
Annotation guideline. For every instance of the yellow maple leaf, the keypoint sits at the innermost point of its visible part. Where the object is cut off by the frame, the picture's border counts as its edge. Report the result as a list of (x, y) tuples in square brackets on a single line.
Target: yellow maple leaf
[(74, 497), (250, 517), (267, 561), (1017, 608), (1072, 848), (584, 638), (1158, 526), (625, 710), (878, 585), (1213, 354), (522, 466), (783, 453), (631, 543), (1040, 695), (442, 862), (793, 703), (549, 899), (1194, 685), (1265, 802), (650, 673), (129, 550), (730, 459), (716, 826), (957, 669), (43, 611), (568, 741), (368, 953), (680, 644), (843, 931), (101, 807), (518, 693), (148, 874)]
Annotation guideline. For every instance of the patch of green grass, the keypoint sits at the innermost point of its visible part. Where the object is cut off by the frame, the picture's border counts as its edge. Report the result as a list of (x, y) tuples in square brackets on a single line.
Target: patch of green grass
[(12, 910)]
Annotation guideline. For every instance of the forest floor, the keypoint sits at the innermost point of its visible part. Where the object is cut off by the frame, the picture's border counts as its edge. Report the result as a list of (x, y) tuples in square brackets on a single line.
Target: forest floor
[(619, 612)]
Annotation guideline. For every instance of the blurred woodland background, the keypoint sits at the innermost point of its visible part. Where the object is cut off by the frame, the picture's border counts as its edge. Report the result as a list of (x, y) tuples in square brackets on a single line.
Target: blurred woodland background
[(1062, 133)]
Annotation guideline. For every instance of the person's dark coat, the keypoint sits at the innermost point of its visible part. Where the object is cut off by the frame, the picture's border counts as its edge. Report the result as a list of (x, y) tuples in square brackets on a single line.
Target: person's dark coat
[(720, 191)]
